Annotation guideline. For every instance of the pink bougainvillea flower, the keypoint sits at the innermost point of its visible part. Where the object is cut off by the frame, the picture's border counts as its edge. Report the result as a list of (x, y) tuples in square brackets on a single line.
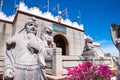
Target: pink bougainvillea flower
[(87, 71)]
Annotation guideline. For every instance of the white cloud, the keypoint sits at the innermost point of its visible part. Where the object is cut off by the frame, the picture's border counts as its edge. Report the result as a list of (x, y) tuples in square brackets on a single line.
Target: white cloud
[(110, 49), (104, 41)]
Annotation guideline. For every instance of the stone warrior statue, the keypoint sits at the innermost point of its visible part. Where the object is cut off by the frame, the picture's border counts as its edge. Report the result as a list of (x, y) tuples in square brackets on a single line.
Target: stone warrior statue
[(25, 54)]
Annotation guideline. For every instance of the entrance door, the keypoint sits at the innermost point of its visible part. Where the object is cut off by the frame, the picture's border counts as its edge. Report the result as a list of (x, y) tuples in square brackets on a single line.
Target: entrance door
[(60, 42)]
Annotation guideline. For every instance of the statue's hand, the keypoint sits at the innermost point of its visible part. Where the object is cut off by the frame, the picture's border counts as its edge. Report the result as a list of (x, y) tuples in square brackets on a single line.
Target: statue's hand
[(33, 46), (9, 73)]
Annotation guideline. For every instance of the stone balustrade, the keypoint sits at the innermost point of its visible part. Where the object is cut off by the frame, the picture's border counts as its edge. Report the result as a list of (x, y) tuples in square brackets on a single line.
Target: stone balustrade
[(57, 64)]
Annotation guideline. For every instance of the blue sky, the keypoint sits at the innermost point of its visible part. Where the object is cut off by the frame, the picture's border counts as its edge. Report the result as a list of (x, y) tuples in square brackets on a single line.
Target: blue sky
[(96, 16)]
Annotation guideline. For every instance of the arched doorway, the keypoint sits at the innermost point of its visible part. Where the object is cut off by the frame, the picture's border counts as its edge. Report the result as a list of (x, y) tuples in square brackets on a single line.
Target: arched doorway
[(62, 43)]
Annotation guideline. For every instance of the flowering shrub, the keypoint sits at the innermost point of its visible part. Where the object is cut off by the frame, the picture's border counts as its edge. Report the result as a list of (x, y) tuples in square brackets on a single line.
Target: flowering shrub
[(87, 71)]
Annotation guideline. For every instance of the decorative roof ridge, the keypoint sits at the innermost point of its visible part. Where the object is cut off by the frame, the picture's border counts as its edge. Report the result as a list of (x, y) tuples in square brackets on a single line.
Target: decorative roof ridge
[(4, 17), (36, 11)]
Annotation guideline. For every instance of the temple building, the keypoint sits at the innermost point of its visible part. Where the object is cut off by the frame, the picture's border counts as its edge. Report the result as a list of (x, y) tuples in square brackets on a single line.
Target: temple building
[(69, 36)]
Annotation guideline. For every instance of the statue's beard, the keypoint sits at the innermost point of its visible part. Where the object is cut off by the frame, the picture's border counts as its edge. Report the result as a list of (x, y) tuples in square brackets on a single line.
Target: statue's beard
[(34, 32)]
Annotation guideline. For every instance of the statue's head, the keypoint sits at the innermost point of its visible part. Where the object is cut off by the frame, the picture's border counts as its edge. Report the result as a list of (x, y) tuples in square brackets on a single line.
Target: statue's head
[(89, 39), (48, 30), (31, 26), (46, 34)]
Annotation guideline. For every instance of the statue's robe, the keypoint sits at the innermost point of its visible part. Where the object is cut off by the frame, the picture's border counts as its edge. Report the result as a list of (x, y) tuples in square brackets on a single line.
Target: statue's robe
[(26, 64)]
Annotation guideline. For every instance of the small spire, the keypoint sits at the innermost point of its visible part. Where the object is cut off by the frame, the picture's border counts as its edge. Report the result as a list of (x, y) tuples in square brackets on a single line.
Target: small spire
[(59, 19), (79, 17), (47, 6), (15, 7), (36, 5), (1, 5), (22, 0)]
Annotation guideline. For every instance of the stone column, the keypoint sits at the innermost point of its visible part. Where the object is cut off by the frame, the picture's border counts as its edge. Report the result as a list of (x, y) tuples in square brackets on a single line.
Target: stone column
[(57, 62)]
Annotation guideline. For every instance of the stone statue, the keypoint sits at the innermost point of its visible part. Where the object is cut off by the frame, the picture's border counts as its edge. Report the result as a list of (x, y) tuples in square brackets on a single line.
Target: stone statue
[(47, 38), (115, 34), (25, 53), (89, 47), (118, 44)]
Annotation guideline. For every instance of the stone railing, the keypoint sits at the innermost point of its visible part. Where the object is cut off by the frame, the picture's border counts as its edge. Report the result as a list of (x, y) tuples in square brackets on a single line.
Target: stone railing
[(1, 66), (57, 64)]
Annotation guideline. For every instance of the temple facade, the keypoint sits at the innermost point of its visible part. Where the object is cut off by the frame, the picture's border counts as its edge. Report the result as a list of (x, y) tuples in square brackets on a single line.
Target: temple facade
[(68, 36)]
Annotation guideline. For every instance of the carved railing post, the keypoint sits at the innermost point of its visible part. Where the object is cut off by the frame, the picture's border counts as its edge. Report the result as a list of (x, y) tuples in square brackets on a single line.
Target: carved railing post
[(57, 62)]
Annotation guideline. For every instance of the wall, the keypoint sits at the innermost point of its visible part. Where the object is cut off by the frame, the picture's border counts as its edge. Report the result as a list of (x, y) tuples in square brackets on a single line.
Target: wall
[(74, 37), (76, 40), (5, 34)]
